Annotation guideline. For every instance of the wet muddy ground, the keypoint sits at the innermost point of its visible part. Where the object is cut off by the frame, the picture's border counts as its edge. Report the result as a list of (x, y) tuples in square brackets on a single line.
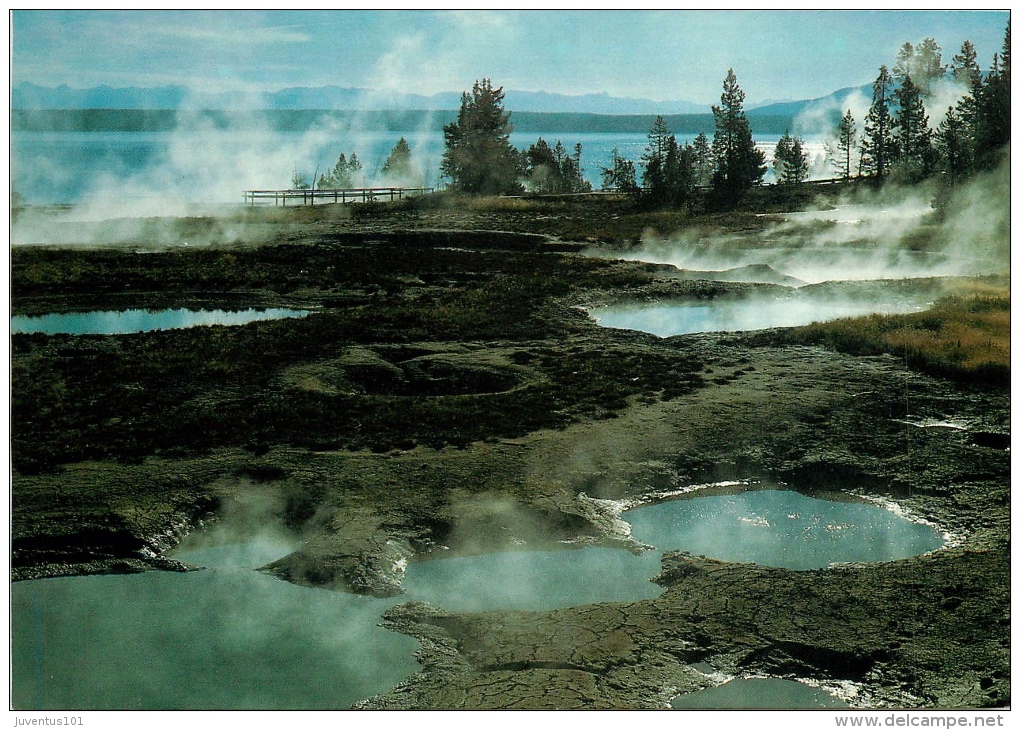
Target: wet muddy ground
[(450, 391)]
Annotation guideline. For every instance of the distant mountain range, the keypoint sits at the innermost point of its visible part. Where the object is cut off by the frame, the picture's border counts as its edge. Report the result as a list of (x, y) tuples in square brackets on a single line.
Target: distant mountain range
[(31, 96), (300, 107)]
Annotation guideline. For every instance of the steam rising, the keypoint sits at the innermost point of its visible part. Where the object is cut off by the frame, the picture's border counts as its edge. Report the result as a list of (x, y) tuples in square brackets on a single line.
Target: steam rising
[(894, 234)]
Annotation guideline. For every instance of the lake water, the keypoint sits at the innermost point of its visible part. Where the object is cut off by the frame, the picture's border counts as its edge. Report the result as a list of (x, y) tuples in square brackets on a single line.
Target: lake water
[(666, 319), (232, 637), (213, 166), (142, 320)]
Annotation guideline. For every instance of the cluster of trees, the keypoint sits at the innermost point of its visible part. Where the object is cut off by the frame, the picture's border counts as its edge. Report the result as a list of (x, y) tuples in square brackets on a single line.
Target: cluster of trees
[(898, 142), (347, 172), (479, 158), (552, 170), (672, 174)]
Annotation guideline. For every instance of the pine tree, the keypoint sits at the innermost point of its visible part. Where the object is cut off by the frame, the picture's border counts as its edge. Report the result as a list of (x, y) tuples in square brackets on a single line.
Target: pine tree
[(911, 133), (846, 142), (790, 164), (542, 168), (573, 174), (668, 177), (703, 163), (904, 62), (922, 64), (739, 165), (964, 66), (398, 164), (992, 110), (479, 157), (928, 68), (654, 158), (954, 147), (621, 176), (877, 146), (298, 181)]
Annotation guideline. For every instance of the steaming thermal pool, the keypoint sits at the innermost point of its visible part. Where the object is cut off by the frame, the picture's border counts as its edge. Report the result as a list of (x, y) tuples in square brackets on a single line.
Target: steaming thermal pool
[(782, 528), (774, 527), (223, 638), (142, 320), (665, 319), (759, 693), (233, 637)]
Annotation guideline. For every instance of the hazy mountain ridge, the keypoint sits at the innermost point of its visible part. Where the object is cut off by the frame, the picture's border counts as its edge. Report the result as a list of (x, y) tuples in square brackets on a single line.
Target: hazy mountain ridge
[(105, 108), (394, 120), (32, 96)]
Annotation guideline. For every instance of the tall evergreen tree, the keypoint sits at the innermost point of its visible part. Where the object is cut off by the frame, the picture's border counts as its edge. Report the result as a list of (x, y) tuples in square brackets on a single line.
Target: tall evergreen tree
[(398, 164), (703, 163), (877, 145), (791, 163), (928, 68), (964, 67), (992, 110), (621, 176), (543, 170), (739, 165), (923, 64), (954, 147), (668, 177), (846, 143), (479, 157), (904, 65), (911, 133), (654, 158), (552, 170)]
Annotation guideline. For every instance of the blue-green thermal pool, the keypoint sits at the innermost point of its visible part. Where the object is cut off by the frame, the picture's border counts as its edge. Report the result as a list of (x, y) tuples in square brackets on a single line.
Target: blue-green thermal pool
[(232, 637), (761, 694), (666, 319), (122, 322)]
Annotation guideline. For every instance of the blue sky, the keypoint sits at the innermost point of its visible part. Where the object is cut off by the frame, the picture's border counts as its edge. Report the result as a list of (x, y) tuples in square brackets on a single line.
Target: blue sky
[(647, 54)]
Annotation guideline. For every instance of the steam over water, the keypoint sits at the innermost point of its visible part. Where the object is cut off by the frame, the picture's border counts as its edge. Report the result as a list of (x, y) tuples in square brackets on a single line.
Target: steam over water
[(212, 166), (232, 637), (223, 638), (753, 313)]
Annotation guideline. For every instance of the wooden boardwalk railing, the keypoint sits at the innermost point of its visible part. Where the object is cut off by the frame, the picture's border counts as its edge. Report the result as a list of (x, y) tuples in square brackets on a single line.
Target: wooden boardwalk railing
[(344, 195)]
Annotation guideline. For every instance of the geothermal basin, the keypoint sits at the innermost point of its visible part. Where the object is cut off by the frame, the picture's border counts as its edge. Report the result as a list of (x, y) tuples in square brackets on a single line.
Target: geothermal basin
[(232, 637)]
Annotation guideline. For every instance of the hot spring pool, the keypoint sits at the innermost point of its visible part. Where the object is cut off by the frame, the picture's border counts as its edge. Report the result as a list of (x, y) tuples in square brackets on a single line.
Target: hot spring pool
[(761, 694), (223, 638), (129, 321), (232, 637), (666, 319)]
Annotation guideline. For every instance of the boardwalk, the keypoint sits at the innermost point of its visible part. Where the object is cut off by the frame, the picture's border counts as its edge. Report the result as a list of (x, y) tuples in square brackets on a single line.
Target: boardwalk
[(345, 195)]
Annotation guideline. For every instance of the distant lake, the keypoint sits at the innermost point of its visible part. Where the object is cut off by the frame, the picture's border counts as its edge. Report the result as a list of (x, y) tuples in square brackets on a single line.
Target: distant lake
[(214, 165)]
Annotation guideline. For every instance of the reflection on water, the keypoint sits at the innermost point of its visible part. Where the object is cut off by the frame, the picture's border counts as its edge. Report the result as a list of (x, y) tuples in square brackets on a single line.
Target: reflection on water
[(734, 315), (760, 694), (142, 320)]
